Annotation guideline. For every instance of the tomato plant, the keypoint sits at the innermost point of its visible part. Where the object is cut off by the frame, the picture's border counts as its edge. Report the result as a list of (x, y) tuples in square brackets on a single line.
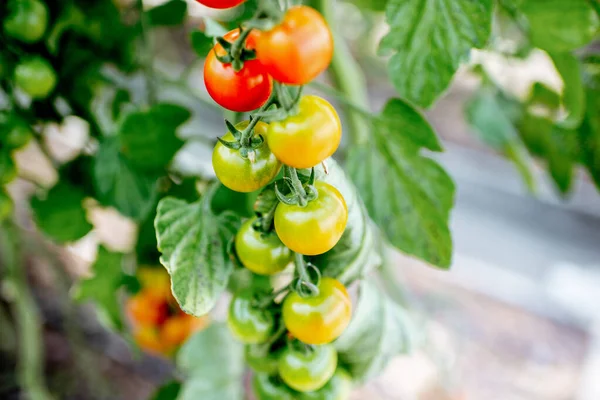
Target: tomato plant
[(318, 319), (293, 215), (238, 90), (307, 138), (308, 369)]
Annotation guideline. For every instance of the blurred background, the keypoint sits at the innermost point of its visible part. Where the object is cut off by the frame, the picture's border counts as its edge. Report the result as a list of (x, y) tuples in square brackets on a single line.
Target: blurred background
[(515, 318)]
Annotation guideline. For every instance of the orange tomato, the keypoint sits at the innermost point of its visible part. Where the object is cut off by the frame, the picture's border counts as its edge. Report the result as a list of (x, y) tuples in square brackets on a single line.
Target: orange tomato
[(145, 309), (298, 49), (147, 338)]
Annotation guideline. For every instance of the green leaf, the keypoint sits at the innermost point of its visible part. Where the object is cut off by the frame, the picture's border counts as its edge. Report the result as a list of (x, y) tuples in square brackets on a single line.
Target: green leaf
[(201, 43), (102, 287), (408, 196), (148, 138), (374, 5), (213, 362), (193, 242), (573, 97), (589, 135), (380, 329), (487, 116), (560, 26), (168, 391), (120, 185), (61, 214), (428, 40), (355, 255), (171, 13)]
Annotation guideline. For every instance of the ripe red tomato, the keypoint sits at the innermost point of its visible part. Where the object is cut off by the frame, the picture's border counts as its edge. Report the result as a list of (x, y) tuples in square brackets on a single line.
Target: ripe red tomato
[(241, 91), (298, 49), (220, 4)]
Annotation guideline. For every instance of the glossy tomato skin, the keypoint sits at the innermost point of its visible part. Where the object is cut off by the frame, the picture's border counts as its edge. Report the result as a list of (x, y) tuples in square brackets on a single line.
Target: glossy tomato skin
[(238, 173), (307, 370), (339, 387), (145, 309), (261, 360), (220, 4), (298, 49), (36, 77), (309, 137), (27, 20), (241, 91), (175, 330), (318, 319), (315, 228), (261, 253), (268, 387), (249, 324)]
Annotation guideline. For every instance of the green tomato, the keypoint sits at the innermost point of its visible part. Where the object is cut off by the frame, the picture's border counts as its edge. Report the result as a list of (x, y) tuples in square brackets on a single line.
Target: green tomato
[(6, 206), (240, 174), (261, 253), (268, 387), (16, 133), (36, 77), (261, 360), (307, 370), (249, 324), (339, 387), (27, 20), (8, 170)]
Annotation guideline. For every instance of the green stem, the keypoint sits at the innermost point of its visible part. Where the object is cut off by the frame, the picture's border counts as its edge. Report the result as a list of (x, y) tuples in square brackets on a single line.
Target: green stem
[(347, 75), (303, 277), (26, 314), (296, 183), (148, 63)]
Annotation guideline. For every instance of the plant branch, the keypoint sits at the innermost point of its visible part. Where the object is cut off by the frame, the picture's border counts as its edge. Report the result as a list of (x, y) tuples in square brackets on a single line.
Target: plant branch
[(347, 75)]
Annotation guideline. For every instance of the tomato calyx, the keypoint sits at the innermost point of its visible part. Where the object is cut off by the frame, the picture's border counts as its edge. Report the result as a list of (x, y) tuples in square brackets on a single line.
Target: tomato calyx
[(300, 194), (303, 284), (237, 52)]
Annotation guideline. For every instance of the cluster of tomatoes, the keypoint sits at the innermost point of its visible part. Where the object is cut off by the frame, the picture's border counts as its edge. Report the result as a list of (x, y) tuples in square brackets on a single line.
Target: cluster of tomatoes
[(159, 325), (288, 342)]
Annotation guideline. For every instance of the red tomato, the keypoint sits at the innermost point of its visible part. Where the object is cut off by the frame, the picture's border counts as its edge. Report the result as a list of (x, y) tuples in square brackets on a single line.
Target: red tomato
[(241, 91), (221, 4), (298, 49)]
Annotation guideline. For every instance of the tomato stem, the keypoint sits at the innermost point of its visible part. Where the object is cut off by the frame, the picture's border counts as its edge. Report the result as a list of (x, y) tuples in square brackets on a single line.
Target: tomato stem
[(297, 186), (304, 280), (347, 75)]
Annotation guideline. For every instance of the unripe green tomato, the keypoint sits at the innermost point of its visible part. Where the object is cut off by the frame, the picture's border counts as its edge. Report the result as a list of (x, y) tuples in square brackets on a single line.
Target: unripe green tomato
[(27, 20), (261, 253), (8, 170), (248, 323), (339, 387), (36, 77), (268, 387), (6, 206), (16, 133), (261, 360), (307, 370)]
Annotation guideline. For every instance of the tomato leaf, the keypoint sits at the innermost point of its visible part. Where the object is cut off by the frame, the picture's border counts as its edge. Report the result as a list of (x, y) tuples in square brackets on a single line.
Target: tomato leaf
[(213, 362), (201, 43), (61, 214), (121, 186), (487, 116), (573, 97), (560, 26), (102, 287), (193, 242), (408, 196), (589, 134), (380, 329), (148, 138), (429, 40), (355, 255), (171, 13), (168, 391)]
